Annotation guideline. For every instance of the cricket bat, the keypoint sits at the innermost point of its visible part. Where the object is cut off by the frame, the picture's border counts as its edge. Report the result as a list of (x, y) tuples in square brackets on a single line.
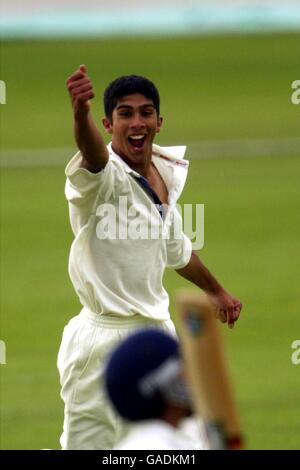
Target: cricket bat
[(207, 370)]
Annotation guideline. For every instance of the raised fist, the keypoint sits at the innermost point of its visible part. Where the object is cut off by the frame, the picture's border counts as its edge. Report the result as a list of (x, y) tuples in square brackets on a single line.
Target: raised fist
[(81, 91)]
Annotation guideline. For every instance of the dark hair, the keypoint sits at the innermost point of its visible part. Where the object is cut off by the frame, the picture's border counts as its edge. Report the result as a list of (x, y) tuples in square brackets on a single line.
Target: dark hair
[(128, 85)]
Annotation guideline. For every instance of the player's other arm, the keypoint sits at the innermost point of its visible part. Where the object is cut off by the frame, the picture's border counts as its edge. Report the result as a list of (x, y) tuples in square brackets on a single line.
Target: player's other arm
[(228, 307), (87, 136)]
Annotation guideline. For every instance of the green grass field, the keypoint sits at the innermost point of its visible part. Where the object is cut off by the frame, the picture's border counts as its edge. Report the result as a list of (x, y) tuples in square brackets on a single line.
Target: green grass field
[(212, 88)]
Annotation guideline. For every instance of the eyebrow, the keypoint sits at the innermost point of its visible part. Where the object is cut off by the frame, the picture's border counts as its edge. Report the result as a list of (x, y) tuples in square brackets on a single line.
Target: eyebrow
[(127, 106)]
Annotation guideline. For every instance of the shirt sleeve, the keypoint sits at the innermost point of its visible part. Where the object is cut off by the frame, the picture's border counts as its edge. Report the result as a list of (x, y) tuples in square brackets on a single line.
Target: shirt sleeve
[(84, 189), (179, 246)]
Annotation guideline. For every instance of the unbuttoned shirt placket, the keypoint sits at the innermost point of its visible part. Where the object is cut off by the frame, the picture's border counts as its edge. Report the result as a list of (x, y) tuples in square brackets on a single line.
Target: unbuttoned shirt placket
[(173, 183)]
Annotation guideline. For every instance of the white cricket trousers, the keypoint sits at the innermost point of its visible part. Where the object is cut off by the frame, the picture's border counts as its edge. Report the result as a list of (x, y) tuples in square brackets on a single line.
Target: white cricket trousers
[(90, 423)]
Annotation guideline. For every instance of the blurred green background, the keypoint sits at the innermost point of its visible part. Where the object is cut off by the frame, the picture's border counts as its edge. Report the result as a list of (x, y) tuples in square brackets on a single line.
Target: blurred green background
[(212, 88)]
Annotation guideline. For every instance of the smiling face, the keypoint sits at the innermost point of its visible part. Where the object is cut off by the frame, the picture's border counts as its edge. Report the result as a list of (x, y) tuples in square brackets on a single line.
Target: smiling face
[(133, 127)]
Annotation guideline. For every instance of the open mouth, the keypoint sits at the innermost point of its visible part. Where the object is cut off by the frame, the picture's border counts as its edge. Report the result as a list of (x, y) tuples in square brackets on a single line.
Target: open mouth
[(137, 141)]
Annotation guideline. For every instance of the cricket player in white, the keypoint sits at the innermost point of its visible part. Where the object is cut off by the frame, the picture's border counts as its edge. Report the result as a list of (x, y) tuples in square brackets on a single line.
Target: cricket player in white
[(120, 198)]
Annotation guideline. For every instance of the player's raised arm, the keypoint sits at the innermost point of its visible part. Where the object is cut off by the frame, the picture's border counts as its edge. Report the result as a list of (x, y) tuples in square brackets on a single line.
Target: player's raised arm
[(228, 307), (87, 135)]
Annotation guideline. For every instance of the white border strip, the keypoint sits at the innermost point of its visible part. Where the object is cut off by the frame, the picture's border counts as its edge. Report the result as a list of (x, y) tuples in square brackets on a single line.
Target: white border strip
[(146, 19)]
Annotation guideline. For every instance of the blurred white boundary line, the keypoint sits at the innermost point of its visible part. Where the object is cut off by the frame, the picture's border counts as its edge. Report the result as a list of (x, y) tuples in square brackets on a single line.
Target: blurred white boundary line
[(44, 157), (243, 148)]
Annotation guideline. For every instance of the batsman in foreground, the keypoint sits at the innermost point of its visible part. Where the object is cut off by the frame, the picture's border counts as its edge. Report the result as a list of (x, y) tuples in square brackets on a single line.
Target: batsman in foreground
[(155, 395), (114, 193), (165, 383)]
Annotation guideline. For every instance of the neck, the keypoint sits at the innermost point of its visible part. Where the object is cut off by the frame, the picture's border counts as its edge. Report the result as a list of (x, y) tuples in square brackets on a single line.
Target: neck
[(174, 414), (142, 167)]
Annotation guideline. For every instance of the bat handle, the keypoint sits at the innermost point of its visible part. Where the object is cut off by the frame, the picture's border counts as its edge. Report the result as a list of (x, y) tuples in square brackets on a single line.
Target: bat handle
[(218, 440)]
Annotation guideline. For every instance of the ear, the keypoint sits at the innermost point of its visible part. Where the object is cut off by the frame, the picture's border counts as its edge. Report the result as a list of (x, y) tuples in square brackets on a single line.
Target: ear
[(159, 124), (107, 125)]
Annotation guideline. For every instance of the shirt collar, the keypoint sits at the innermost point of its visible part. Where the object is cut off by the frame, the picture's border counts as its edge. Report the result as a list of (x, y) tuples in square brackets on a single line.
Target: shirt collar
[(174, 155), (170, 164)]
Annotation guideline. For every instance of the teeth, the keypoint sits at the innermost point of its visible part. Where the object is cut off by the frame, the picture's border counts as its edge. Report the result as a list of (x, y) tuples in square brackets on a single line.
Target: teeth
[(136, 137)]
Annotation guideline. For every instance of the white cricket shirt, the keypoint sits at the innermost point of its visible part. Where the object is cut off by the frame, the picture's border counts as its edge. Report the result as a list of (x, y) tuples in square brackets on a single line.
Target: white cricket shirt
[(122, 244)]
